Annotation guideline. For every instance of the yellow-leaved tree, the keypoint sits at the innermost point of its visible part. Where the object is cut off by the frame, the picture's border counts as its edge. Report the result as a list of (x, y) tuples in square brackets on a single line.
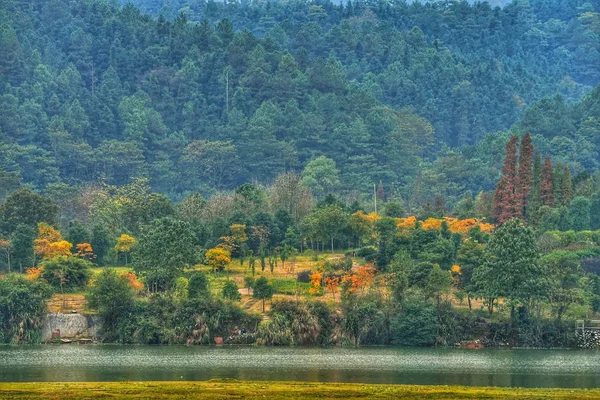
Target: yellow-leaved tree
[(218, 258), (50, 244), (125, 244)]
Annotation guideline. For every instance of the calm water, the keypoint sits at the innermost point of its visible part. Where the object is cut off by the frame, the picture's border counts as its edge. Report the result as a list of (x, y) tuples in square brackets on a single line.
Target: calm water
[(524, 368)]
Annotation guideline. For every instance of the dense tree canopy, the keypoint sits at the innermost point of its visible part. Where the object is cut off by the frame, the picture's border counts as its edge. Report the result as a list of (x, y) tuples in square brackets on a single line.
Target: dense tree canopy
[(206, 96)]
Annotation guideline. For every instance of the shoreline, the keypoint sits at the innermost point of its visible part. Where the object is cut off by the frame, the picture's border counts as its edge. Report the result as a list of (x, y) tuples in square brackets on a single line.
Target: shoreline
[(231, 388)]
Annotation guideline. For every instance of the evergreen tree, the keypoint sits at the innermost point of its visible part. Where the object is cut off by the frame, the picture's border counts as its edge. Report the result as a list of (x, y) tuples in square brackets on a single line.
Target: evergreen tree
[(511, 269), (547, 184), (524, 175), (506, 204), (579, 213), (558, 186), (566, 187), (535, 200)]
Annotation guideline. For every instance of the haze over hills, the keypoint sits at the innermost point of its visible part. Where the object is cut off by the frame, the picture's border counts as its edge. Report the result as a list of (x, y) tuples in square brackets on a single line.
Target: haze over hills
[(226, 93)]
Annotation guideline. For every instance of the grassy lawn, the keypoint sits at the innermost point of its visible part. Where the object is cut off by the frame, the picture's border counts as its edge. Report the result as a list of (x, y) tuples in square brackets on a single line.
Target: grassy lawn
[(119, 270), (227, 389)]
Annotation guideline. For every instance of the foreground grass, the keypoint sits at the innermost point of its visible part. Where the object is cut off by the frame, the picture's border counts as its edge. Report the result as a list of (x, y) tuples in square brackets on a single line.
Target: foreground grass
[(228, 389)]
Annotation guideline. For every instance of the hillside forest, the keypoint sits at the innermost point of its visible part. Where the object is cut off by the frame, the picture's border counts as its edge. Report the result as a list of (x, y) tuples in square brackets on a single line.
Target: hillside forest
[(312, 173)]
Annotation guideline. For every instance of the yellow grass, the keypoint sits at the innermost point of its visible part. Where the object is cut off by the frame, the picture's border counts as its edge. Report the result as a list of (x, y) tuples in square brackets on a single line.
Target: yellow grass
[(233, 389)]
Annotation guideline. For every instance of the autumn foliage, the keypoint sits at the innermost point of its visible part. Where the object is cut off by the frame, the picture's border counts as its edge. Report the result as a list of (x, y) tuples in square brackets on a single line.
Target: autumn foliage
[(50, 244), (85, 251), (218, 258), (332, 283), (455, 225), (316, 280), (133, 281), (360, 280), (34, 273)]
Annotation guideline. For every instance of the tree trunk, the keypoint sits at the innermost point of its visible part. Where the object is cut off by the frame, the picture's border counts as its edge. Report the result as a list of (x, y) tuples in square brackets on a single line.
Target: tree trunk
[(332, 244)]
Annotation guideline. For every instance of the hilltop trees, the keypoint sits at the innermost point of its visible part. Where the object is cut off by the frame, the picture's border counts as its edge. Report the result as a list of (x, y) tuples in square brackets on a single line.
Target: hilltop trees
[(24, 206), (530, 192)]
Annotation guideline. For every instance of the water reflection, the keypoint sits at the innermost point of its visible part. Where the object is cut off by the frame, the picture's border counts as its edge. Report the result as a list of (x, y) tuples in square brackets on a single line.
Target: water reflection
[(517, 368)]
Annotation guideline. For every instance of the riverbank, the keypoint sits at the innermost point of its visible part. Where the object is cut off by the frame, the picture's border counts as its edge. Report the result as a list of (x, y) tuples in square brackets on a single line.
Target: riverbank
[(225, 389)]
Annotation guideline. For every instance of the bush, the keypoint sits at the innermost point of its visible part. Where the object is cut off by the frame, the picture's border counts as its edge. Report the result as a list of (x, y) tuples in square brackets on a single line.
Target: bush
[(304, 276), (199, 321), (292, 323), (290, 287), (181, 287), (66, 273), (418, 274), (344, 263), (365, 321), (230, 291), (22, 307), (311, 254), (415, 325), (367, 251), (198, 285), (113, 297)]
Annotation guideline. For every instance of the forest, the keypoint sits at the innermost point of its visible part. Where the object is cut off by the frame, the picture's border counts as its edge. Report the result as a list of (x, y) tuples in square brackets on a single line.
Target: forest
[(421, 97), (310, 173)]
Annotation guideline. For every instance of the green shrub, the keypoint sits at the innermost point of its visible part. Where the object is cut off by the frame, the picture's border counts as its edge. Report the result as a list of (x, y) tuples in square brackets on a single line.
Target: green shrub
[(293, 323), (304, 276), (66, 273), (367, 251), (230, 291), (22, 307), (113, 297), (290, 287), (198, 285), (415, 325)]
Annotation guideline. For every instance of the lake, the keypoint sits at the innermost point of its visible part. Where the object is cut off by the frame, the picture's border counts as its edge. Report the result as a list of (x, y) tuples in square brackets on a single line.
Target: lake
[(430, 366)]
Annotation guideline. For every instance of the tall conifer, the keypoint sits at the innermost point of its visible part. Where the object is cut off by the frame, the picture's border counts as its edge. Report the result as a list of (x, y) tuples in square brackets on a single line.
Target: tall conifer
[(558, 175), (567, 187), (524, 176), (547, 184), (535, 201), (506, 205)]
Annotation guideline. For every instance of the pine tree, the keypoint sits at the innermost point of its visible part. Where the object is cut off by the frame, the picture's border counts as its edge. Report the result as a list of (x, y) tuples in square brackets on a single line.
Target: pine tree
[(524, 177), (567, 187), (547, 184), (506, 205), (534, 201), (557, 181)]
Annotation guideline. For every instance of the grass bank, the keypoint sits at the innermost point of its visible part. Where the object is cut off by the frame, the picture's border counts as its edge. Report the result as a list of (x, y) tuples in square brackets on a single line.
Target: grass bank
[(228, 389)]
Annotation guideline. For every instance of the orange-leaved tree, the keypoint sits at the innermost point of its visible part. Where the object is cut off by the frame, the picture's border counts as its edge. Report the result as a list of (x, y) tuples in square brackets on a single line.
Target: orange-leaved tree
[(133, 281), (315, 282), (49, 243), (34, 272), (85, 251), (332, 283)]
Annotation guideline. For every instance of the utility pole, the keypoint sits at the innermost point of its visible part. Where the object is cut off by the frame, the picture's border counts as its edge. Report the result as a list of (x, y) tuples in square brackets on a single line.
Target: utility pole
[(375, 196)]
